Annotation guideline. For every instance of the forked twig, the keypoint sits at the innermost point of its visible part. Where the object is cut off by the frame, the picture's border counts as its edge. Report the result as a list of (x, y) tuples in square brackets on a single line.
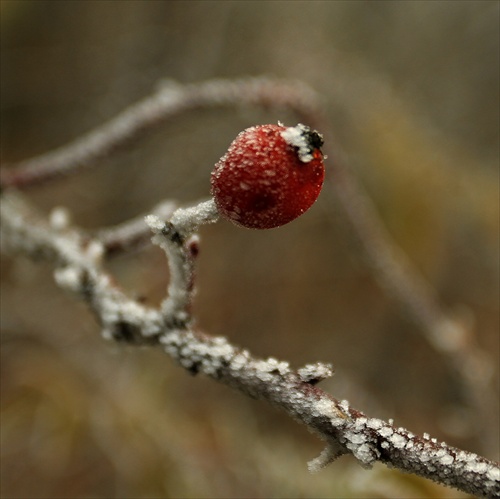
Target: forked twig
[(390, 265), (78, 260), (344, 429)]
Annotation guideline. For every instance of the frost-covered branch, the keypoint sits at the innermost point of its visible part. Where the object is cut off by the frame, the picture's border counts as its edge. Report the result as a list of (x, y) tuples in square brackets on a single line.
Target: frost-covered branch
[(78, 262), (132, 234), (391, 267), (78, 266), (178, 239)]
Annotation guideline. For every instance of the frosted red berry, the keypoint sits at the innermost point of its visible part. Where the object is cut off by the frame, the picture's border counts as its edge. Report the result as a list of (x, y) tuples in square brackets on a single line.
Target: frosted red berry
[(269, 176)]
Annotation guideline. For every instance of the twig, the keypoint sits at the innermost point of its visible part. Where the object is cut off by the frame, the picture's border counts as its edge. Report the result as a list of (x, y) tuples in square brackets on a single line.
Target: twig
[(345, 430), (177, 238), (170, 100), (132, 234)]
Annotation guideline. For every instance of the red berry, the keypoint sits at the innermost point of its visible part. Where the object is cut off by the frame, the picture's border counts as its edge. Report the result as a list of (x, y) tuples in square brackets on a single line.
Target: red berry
[(269, 176)]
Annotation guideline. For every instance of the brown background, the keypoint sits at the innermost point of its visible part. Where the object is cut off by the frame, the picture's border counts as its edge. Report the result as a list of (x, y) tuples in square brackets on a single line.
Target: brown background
[(412, 93)]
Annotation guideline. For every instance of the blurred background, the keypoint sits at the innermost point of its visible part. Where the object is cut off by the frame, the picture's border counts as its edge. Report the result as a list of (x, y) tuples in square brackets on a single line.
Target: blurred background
[(412, 92)]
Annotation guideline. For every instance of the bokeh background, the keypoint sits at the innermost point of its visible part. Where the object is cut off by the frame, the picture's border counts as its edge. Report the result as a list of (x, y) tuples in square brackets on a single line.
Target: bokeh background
[(412, 91)]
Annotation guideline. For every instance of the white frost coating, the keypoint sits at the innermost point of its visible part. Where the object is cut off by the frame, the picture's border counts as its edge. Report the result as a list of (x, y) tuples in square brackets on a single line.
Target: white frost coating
[(115, 308), (493, 474), (345, 405), (364, 454), (356, 438), (386, 432), (429, 458), (327, 456), (360, 423), (106, 334), (95, 251), (476, 467), (326, 406), (374, 424), (315, 372), (296, 137), (266, 368), (154, 223), (187, 220), (221, 348), (59, 218), (239, 361), (447, 459), (398, 441), (69, 278)]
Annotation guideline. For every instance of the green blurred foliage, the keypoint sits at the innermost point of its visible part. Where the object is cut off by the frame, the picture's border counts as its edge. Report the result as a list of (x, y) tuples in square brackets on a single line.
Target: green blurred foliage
[(412, 91)]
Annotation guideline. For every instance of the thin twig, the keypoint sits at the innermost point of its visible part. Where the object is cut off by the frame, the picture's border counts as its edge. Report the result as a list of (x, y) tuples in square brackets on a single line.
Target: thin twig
[(170, 100), (132, 234), (177, 238)]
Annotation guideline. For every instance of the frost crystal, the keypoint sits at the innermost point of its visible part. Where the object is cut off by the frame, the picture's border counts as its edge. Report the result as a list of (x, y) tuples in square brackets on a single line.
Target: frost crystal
[(374, 424), (345, 405), (447, 459), (386, 432), (494, 474), (312, 373), (59, 218), (95, 251), (327, 407), (239, 361), (68, 278), (398, 441), (154, 223)]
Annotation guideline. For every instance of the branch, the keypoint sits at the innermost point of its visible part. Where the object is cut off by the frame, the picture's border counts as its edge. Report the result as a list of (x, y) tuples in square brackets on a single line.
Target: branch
[(177, 238), (344, 429), (389, 264), (132, 234), (169, 101)]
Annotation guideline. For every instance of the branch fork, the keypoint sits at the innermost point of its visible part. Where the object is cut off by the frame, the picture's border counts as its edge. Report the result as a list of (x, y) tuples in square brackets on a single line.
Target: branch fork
[(78, 261)]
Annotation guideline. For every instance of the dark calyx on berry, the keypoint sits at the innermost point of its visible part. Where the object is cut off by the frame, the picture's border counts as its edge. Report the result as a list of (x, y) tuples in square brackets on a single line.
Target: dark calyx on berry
[(305, 140), (314, 138)]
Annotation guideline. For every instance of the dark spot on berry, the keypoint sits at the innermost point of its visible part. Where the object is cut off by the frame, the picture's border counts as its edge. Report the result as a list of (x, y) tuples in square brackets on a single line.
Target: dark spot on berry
[(263, 201), (314, 139)]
